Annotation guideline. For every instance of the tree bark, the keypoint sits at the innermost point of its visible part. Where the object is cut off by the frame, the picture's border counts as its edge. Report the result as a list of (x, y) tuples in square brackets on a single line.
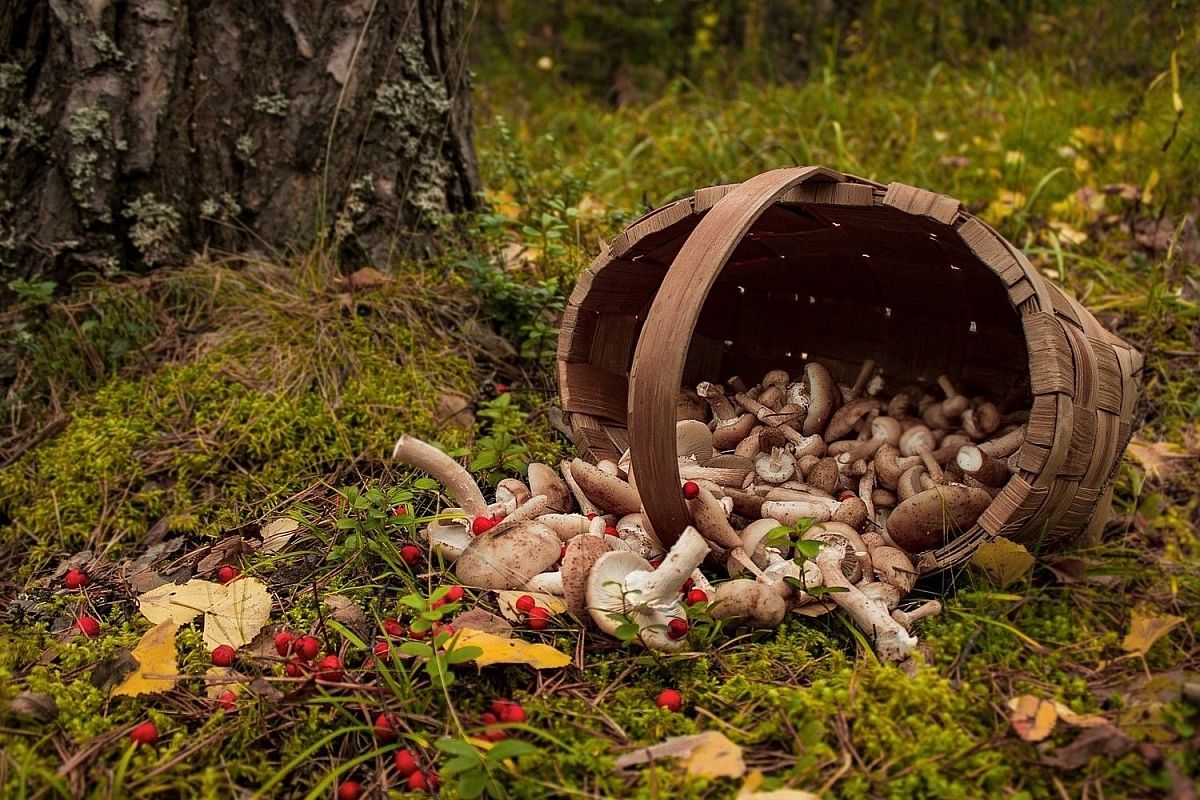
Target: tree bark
[(133, 132)]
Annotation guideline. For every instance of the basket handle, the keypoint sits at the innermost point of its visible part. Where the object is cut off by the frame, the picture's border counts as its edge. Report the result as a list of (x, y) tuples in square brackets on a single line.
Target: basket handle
[(662, 347)]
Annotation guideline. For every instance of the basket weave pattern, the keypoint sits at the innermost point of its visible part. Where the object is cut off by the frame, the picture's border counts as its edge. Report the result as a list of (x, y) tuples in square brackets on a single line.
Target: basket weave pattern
[(807, 263)]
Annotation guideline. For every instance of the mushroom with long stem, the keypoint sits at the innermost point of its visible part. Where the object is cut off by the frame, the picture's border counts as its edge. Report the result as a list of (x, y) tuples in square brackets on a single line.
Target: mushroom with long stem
[(892, 642), (458, 482)]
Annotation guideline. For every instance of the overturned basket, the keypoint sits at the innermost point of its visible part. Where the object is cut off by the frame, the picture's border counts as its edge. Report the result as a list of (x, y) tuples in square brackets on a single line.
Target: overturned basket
[(806, 263)]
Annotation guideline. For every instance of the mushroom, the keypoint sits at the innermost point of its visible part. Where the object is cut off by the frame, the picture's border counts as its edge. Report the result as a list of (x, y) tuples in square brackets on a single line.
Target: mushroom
[(754, 538), (892, 566), (586, 506), (547, 583), (448, 538), (747, 602), (458, 482), (884, 430), (567, 526), (908, 619), (954, 404), (723, 410), (824, 398), (606, 491), (1005, 445), (693, 441), (631, 529), (846, 418), (544, 480), (775, 467), (889, 466), (509, 559), (511, 493), (981, 421), (982, 467), (624, 586), (824, 476), (892, 641), (918, 441), (531, 508), (690, 405), (926, 520), (727, 435), (710, 520), (577, 563)]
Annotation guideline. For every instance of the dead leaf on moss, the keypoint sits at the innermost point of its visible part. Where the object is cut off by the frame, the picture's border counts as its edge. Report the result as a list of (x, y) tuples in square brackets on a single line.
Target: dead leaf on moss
[(1147, 627), (365, 278), (708, 755), (477, 619), (507, 600), (1002, 560), (754, 781), (155, 655), (277, 533), (1160, 459), (1108, 741), (498, 650), (234, 613), (1032, 718)]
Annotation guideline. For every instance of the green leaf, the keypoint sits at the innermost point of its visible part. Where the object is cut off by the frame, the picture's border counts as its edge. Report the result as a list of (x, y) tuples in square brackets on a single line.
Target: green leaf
[(416, 649), (472, 784), (346, 524), (425, 484), (808, 548), (460, 655), (457, 747), (460, 764), (510, 748)]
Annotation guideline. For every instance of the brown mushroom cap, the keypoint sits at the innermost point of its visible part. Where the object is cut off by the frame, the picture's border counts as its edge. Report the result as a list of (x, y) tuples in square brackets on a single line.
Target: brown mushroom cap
[(825, 397), (544, 480), (935, 516), (509, 559), (824, 476), (690, 405), (693, 440), (747, 602), (607, 491), (845, 418), (582, 553)]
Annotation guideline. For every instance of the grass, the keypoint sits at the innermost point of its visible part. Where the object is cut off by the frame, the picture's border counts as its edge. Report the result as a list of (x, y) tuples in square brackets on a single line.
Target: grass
[(202, 401)]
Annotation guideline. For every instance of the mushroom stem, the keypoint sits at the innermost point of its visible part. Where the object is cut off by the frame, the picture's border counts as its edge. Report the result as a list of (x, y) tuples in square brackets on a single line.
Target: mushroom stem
[(908, 619), (528, 510), (458, 482), (864, 375), (722, 409), (677, 566), (892, 641), (1006, 445)]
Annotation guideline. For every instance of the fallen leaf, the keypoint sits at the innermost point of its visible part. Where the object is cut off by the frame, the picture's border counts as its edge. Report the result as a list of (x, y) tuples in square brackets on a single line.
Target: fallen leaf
[(366, 278), (1159, 459), (1108, 741), (347, 612), (234, 613), (155, 655), (108, 672), (1146, 628), (277, 533), (477, 619), (507, 600), (1067, 569), (498, 650), (1032, 718), (1079, 720), (709, 755), (37, 706), (223, 679), (454, 410), (1002, 560), (223, 552)]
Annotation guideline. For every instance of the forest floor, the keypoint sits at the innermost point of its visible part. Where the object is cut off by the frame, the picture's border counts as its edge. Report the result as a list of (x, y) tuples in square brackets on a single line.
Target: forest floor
[(156, 425)]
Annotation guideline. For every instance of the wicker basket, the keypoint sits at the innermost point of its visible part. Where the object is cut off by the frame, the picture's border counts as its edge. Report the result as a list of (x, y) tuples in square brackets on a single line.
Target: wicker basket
[(806, 263)]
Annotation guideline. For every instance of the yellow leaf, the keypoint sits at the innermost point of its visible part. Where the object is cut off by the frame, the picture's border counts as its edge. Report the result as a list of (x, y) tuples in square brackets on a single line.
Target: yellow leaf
[(715, 756), (155, 655), (1147, 627), (234, 612), (1003, 560), (1079, 720), (498, 650), (1033, 719), (508, 604)]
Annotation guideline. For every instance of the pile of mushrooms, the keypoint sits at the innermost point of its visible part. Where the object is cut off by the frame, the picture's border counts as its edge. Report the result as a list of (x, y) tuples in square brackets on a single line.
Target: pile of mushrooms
[(874, 474)]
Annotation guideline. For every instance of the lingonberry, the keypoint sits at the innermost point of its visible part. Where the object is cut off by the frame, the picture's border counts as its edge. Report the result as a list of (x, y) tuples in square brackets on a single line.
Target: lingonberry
[(329, 669), (307, 647), (696, 596), (691, 490), (223, 656), (76, 579), (677, 629), (539, 618), (144, 733), (350, 790), (406, 763), (411, 554), (88, 626), (283, 643), (227, 573), (525, 603), (669, 699)]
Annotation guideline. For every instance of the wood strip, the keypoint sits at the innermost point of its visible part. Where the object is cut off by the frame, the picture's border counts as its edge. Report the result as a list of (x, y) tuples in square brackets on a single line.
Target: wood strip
[(921, 202), (987, 246), (1085, 367), (1108, 376), (657, 220), (1083, 440), (705, 198), (588, 390), (1051, 367), (612, 346)]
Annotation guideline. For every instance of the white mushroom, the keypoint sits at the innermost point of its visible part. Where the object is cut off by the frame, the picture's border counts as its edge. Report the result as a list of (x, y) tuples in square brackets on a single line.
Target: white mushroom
[(458, 482)]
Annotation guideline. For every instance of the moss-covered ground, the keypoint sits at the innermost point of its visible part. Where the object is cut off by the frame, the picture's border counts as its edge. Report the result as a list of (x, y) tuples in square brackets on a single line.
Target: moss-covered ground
[(193, 405)]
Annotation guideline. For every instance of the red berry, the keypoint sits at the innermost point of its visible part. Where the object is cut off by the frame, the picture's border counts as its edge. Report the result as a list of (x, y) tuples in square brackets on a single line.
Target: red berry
[(513, 713), (393, 628), (413, 633), (226, 574), (329, 668), (455, 594), (562, 553), (501, 388), (539, 618), (417, 782), (382, 649), (696, 596), (489, 718), (88, 626), (495, 736), (691, 490), (438, 630), (591, 516), (384, 729), (433, 781), (283, 643), (609, 530), (846, 495), (144, 733), (307, 647), (677, 629), (656, 563), (76, 579), (525, 603), (350, 790), (296, 668), (410, 553), (406, 763), (687, 586), (228, 701), (499, 706), (224, 656), (481, 525), (441, 601), (669, 699), (399, 511)]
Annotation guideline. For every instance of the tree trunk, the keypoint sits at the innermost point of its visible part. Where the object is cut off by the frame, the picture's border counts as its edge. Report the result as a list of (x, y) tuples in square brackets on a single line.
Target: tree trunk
[(133, 132)]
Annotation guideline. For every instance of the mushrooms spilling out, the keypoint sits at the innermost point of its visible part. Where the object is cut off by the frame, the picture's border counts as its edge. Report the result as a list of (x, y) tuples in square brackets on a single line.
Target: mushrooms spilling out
[(874, 475)]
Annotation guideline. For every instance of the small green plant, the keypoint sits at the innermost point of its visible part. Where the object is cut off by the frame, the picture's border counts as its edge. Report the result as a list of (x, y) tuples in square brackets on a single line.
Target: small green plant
[(474, 769), (785, 537), (500, 449), (443, 652)]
